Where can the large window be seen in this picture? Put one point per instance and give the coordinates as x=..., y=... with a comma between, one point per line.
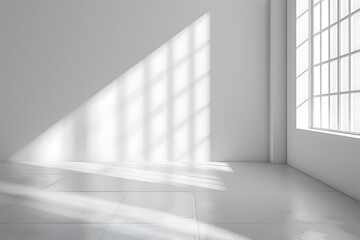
x=335, y=65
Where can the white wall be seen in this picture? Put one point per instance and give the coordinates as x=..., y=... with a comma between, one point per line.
x=278, y=81
x=55, y=55
x=330, y=158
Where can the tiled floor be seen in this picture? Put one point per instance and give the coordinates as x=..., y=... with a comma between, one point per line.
x=170, y=201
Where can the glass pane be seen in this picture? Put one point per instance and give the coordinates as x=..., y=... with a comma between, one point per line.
x=355, y=32
x=316, y=80
x=325, y=78
x=344, y=37
x=344, y=74
x=316, y=19
x=316, y=112
x=302, y=58
x=325, y=112
x=333, y=11
x=344, y=8
x=355, y=4
x=325, y=14
x=355, y=72
x=325, y=46
x=302, y=30
x=316, y=49
x=333, y=76
x=333, y=42
x=301, y=7
x=334, y=112
x=355, y=112
x=344, y=112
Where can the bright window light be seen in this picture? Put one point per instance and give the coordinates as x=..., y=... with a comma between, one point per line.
x=335, y=64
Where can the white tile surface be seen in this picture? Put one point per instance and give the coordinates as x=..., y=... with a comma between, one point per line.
x=91, y=182
x=279, y=232
x=225, y=201
x=65, y=207
x=341, y=203
x=264, y=207
x=12, y=168
x=140, y=186
x=274, y=182
x=151, y=232
x=8, y=201
x=20, y=184
x=51, y=231
x=157, y=207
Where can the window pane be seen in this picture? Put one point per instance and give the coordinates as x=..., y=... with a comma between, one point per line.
x=325, y=14
x=325, y=78
x=301, y=7
x=355, y=4
x=344, y=37
x=302, y=29
x=344, y=112
x=335, y=106
x=325, y=46
x=302, y=59
x=316, y=49
x=344, y=8
x=355, y=72
x=316, y=112
x=333, y=41
x=334, y=112
x=333, y=11
x=344, y=74
x=333, y=76
x=325, y=112
x=316, y=19
x=355, y=32
x=316, y=77
x=355, y=112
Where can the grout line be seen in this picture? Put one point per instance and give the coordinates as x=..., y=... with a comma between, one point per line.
x=353, y=223
x=196, y=215
x=30, y=195
x=112, y=218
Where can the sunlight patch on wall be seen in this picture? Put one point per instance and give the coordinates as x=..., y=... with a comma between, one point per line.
x=302, y=64
x=159, y=110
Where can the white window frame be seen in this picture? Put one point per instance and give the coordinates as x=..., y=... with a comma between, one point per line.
x=337, y=58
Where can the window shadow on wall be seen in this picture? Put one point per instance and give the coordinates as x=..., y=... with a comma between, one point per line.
x=159, y=110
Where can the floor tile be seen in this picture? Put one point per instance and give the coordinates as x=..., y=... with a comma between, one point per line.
x=264, y=207
x=91, y=182
x=273, y=182
x=156, y=207
x=65, y=207
x=262, y=168
x=8, y=201
x=140, y=186
x=23, y=184
x=31, y=168
x=195, y=177
x=279, y=232
x=151, y=232
x=237, y=201
x=341, y=203
x=51, y=231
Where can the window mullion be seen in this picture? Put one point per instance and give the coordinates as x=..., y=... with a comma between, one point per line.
x=329, y=65
x=311, y=59
x=349, y=67
x=338, y=64
x=321, y=64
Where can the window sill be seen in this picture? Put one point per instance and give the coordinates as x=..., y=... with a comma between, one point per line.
x=331, y=133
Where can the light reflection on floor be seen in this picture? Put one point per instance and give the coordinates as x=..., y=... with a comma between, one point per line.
x=170, y=201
